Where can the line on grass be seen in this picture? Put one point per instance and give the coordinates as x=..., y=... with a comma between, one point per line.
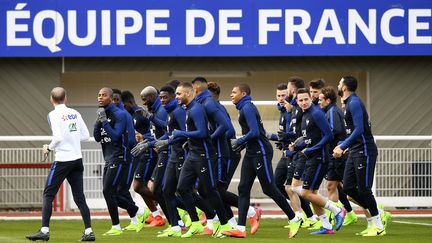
x=10, y=239
x=407, y=222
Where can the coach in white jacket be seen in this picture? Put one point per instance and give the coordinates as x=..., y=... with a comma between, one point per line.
x=68, y=130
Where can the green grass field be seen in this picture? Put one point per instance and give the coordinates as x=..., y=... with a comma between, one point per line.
x=271, y=231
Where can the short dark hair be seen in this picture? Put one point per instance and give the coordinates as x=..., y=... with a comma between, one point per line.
x=169, y=89
x=329, y=93
x=282, y=86
x=214, y=88
x=303, y=91
x=173, y=83
x=199, y=79
x=244, y=88
x=297, y=82
x=116, y=91
x=185, y=85
x=127, y=96
x=317, y=83
x=350, y=82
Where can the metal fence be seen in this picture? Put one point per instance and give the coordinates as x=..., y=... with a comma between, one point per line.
x=403, y=177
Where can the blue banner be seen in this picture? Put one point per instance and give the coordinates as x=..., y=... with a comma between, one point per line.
x=51, y=28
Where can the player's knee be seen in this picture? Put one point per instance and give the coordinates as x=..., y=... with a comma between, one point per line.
x=350, y=191
x=298, y=190
x=332, y=186
x=364, y=192
x=108, y=191
x=269, y=190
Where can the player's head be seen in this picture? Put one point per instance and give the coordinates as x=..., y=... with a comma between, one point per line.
x=315, y=87
x=173, y=83
x=199, y=85
x=347, y=84
x=327, y=97
x=303, y=98
x=105, y=96
x=149, y=95
x=166, y=94
x=128, y=100
x=184, y=93
x=281, y=93
x=214, y=89
x=239, y=91
x=58, y=96
x=116, y=96
x=294, y=83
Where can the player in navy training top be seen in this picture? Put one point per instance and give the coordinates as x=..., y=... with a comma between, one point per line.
x=198, y=163
x=296, y=166
x=158, y=116
x=110, y=131
x=316, y=134
x=146, y=162
x=257, y=162
x=363, y=152
x=124, y=198
x=336, y=167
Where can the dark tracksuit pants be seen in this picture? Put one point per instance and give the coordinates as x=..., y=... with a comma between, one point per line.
x=125, y=200
x=172, y=173
x=358, y=180
x=111, y=179
x=203, y=169
x=261, y=167
x=158, y=179
x=73, y=172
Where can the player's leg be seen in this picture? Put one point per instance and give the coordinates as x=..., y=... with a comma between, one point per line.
x=110, y=186
x=158, y=176
x=54, y=180
x=75, y=179
x=247, y=177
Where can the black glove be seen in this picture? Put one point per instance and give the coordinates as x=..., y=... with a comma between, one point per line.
x=147, y=114
x=101, y=115
x=298, y=141
x=235, y=147
x=139, y=148
x=269, y=135
x=279, y=145
x=161, y=145
x=282, y=136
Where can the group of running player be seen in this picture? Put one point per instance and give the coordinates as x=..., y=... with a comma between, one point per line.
x=180, y=151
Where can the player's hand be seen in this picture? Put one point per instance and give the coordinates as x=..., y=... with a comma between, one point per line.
x=291, y=147
x=282, y=136
x=147, y=114
x=140, y=148
x=101, y=115
x=279, y=145
x=337, y=152
x=138, y=136
x=235, y=146
x=161, y=145
x=269, y=135
x=298, y=141
x=288, y=106
x=303, y=153
x=45, y=149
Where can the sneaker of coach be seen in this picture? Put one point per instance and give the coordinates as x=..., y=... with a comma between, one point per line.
x=88, y=237
x=39, y=236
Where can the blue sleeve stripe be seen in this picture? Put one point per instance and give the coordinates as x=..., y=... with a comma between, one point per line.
x=331, y=119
